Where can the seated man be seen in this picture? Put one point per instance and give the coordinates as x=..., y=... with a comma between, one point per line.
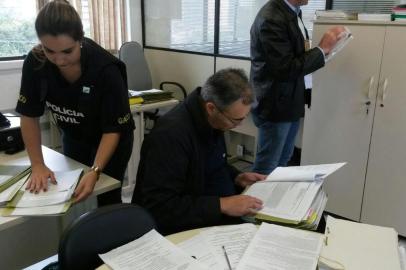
x=183, y=177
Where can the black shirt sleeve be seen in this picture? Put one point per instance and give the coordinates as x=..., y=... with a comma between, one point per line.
x=115, y=113
x=30, y=102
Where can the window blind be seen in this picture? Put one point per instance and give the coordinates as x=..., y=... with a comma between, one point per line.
x=370, y=6
x=180, y=24
x=237, y=16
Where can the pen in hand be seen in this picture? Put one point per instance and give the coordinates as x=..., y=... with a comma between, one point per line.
x=227, y=259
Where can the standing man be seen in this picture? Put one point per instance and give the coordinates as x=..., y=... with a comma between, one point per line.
x=280, y=58
x=183, y=178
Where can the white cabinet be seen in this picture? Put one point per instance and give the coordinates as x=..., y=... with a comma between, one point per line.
x=341, y=126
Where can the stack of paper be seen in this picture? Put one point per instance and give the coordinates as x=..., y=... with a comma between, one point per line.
x=148, y=96
x=336, y=14
x=56, y=200
x=293, y=195
x=246, y=247
x=151, y=251
x=210, y=246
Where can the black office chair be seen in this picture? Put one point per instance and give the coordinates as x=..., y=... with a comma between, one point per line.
x=99, y=231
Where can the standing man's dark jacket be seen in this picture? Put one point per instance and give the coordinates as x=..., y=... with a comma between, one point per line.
x=172, y=180
x=279, y=63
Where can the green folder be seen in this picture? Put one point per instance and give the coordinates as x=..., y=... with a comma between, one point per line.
x=11, y=174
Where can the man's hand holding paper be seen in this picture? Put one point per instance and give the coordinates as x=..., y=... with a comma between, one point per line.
x=332, y=37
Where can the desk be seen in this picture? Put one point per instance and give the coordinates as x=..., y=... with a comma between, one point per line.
x=138, y=115
x=25, y=240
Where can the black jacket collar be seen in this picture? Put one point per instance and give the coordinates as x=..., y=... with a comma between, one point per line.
x=194, y=105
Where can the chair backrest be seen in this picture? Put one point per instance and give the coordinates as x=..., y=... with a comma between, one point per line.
x=99, y=231
x=138, y=74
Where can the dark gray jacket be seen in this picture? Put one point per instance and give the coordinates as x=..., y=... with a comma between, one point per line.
x=279, y=63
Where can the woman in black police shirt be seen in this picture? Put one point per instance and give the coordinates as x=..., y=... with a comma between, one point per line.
x=85, y=89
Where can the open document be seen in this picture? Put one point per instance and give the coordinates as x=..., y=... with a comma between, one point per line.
x=303, y=173
x=151, y=251
x=209, y=246
x=56, y=194
x=276, y=248
x=352, y=246
x=293, y=195
x=56, y=200
x=286, y=202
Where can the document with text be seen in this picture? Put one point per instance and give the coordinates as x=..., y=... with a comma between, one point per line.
x=207, y=246
x=278, y=248
x=288, y=201
x=150, y=251
x=306, y=173
x=56, y=194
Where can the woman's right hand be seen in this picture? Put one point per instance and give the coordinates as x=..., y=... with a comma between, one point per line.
x=39, y=178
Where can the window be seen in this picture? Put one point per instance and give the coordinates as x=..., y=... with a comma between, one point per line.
x=308, y=13
x=17, y=31
x=236, y=17
x=180, y=24
x=189, y=25
x=371, y=6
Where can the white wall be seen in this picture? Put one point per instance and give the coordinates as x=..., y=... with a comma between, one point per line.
x=10, y=76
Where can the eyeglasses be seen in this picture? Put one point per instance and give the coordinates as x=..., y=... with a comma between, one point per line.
x=233, y=121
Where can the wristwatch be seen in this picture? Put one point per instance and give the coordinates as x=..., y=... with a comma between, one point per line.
x=96, y=169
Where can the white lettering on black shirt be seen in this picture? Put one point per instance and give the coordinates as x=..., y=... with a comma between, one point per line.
x=65, y=115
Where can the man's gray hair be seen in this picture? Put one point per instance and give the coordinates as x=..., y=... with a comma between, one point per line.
x=227, y=86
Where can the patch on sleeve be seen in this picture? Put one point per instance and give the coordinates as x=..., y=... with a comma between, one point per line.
x=125, y=119
x=22, y=99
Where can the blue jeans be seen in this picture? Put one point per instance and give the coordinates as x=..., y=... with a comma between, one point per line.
x=276, y=141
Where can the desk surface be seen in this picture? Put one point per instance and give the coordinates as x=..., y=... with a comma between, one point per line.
x=57, y=162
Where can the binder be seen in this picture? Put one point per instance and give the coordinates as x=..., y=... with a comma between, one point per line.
x=353, y=246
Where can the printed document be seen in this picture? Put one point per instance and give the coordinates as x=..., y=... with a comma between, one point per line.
x=285, y=200
x=151, y=251
x=303, y=173
x=197, y=247
x=277, y=248
x=56, y=194
x=207, y=246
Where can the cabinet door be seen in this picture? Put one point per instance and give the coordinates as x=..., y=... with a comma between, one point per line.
x=385, y=189
x=338, y=127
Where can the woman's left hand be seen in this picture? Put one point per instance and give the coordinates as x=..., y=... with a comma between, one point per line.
x=86, y=186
